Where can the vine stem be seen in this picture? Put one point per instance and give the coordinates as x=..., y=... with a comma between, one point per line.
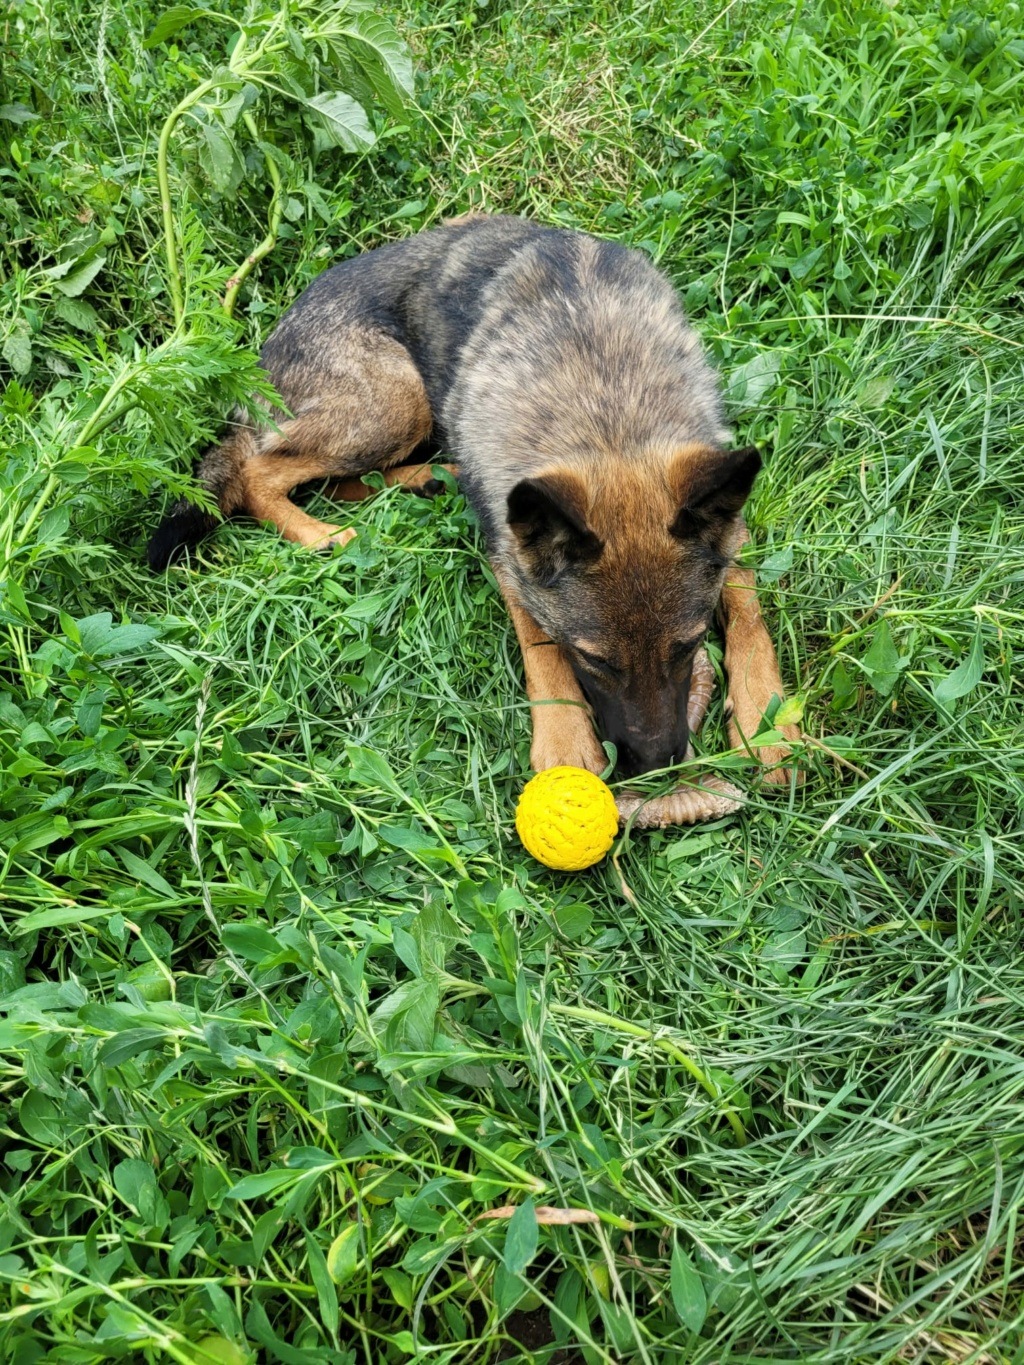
x=163, y=178
x=268, y=243
x=164, y=185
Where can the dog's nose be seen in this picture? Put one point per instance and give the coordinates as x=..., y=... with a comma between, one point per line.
x=634, y=759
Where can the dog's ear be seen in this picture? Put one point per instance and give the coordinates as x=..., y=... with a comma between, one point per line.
x=713, y=489
x=548, y=517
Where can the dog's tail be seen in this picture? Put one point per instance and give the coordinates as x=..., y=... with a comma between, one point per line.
x=219, y=471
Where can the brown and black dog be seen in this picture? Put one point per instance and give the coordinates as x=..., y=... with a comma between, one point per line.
x=587, y=432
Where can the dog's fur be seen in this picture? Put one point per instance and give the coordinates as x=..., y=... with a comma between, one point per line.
x=560, y=373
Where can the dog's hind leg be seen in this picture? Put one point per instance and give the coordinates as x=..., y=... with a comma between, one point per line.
x=370, y=415
x=562, y=730
x=753, y=670
x=418, y=478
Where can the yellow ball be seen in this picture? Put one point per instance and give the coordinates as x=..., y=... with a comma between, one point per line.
x=566, y=817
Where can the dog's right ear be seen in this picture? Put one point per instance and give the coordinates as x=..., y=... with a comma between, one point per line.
x=547, y=516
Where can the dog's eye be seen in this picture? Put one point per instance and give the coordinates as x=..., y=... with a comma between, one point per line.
x=597, y=664
x=683, y=649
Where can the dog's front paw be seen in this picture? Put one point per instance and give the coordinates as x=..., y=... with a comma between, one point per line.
x=568, y=743
x=743, y=721
x=709, y=798
x=779, y=768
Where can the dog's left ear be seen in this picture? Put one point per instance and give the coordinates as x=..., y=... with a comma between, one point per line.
x=713, y=489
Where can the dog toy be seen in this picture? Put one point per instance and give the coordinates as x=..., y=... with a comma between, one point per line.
x=567, y=818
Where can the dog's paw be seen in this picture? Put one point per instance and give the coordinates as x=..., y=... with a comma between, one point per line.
x=707, y=799
x=775, y=759
x=779, y=769
x=341, y=537
x=571, y=745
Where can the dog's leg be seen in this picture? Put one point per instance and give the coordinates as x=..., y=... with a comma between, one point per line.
x=418, y=478
x=562, y=733
x=753, y=670
x=370, y=413
x=268, y=480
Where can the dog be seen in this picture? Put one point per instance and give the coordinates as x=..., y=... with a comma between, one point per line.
x=587, y=432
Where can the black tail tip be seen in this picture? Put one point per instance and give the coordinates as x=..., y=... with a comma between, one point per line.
x=179, y=532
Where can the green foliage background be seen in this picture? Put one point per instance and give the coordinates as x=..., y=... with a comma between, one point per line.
x=285, y=1009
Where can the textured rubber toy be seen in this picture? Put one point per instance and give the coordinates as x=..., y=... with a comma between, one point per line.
x=567, y=818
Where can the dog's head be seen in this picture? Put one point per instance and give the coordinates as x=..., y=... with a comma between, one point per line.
x=623, y=568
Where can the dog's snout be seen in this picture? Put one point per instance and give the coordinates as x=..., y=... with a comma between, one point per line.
x=644, y=754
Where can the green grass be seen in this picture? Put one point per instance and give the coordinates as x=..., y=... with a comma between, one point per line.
x=285, y=1006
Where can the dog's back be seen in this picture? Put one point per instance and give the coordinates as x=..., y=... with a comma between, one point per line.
x=514, y=344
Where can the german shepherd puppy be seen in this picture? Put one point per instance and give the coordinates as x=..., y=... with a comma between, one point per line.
x=587, y=432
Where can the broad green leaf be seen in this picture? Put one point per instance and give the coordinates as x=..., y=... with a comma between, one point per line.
x=407, y=1017
x=400, y=1284
x=137, y=867
x=791, y=712
x=751, y=381
x=407, y=950
x=101, y=639
x=691, y=847
x=620, y=1327
x=687, y=1290
x=966, y=676
x=370, y=770
x=326, y=1293
x=41, y=1119
x=12, y=972
x=17, y=113
x=220, y=158
x=50, y=916
x=508, y=1289
x=802, y=266
x=78, y=313
x=218, y=1350
x=435, y=932
x=775, y=565
x=11, y=595
x=412, y=841
x=574, y=921
x=877, y=391
x=343, y=120
x=882, y=662
x=54, y=525
x=250, y=941
x=383, y=58
x=170, y=22
x=135, y=1182
x=130, y=1043
x=343, y=1255
x=785, y=948
x=266, y=1182
x=17, y=351
x=521, y=1239
x=79, y=280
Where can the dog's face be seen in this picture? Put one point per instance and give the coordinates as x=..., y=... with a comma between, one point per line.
x=624, y=572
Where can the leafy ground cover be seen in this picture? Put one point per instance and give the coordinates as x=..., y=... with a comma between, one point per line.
x=286, y=1012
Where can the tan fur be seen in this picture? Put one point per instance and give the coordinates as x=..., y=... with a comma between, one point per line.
x=753, y=671
x=378, y=414
x=562, y=735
